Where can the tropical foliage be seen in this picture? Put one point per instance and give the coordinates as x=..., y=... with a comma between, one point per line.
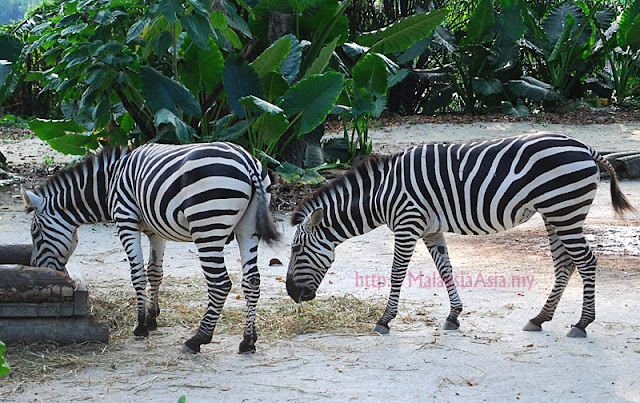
x=182, y=71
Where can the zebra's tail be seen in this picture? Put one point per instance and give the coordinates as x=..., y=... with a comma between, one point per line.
x=618, y=199
x=265, y=227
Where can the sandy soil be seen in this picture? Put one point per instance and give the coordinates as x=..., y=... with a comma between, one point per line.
x=489, y=358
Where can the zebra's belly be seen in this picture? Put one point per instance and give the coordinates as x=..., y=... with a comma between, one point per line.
x=491, y=226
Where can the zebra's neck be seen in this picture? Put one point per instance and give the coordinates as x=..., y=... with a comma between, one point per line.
x=352, y=203
x=81, y=192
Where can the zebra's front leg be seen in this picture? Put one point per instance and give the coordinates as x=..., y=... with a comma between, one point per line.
x=405, y=243
x=250, y=286
x=563, y=269
x=219, y=285
x=154, y=276
x=130, y=237
x=438, y=249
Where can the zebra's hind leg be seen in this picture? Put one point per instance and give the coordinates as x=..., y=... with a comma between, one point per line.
x=218, y=284
x=154, y=275
x=438, y=249
x=585, y=261
x=250, y=286
x=563, y=269
x=130, y=237
x=405, y=243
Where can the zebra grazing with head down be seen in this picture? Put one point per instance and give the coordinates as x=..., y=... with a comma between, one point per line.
x=201, y=192
x=469, y=189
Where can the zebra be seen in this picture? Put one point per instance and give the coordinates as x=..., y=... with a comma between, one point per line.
x=470, y=189
x=205, y=193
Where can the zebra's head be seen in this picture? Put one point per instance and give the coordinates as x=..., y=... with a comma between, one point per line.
x=54, y=238
x=311, y=256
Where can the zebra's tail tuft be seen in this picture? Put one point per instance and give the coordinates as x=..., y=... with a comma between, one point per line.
x=620, y=202
x=265, y=227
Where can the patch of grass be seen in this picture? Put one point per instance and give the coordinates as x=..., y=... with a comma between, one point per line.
x=14, y=121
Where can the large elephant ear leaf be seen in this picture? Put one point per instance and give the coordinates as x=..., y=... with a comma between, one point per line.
x=240, y=80
x=629, y=28
x=311, y=100
x=10, y=48
x=402, y=34
x=162, y=92
x=480, y=23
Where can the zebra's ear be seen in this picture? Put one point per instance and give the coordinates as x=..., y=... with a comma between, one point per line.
x=31, y=200
x=316, y=217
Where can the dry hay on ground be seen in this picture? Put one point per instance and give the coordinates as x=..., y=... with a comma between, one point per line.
x=282, y=319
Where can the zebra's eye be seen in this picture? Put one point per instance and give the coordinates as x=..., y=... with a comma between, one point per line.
x=296, y=248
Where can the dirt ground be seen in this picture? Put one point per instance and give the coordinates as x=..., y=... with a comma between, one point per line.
x=489, y=358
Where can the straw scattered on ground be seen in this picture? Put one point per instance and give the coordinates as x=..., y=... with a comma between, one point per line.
x=183, y=302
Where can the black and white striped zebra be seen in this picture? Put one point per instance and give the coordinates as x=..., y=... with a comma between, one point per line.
x=202, y=193
x=470, y=189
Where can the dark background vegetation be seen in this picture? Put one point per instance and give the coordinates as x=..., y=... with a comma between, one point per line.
x=266, y=74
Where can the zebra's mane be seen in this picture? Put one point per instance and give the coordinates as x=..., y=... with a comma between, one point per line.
x=351, y=176
x=104, y=154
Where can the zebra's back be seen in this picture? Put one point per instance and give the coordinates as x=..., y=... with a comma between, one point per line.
x=488, y=187
x=179, y=190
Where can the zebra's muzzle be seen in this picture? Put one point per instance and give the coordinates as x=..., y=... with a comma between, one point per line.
x=299, y=293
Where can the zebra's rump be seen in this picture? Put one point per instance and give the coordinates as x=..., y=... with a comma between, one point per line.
x=181, y=191
x=488, y=187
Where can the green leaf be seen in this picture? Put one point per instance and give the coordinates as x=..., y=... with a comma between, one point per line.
x=272, y=127
x=274, y=86
x=371, y=73
x=312, y=98
x=555, y=24
x=169, y=9
x=260, y=105
x=74, y=29
x=629, y=27
x=162, y=42
x=480, y=23
x=74, y=144
x=4, y=367
x=51, y=129
x=272, y=57
x=530, y=88
x=201, y=7
x=234, y=132
x=302, y=5
x=404, y=33
x=198, y=28
x=233, y=38
x=10, y=48
x=291, y=173
x=291, y=65
x=218, y=20
x=562, y=45
x=240, y=80
x=323, y=59
x=137, y=29
x=493, y=86
x=182, y=131
x=519, y=110
x=509, y=20
x=162, y=92
x=203, y=68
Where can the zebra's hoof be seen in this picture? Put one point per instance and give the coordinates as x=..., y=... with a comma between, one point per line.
x=382, y=329
x=152, y=324
x=187, y=350
x=532, y=327
x=141, y=331
x=448, y=325
x=246, y=348
x=576, y=332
